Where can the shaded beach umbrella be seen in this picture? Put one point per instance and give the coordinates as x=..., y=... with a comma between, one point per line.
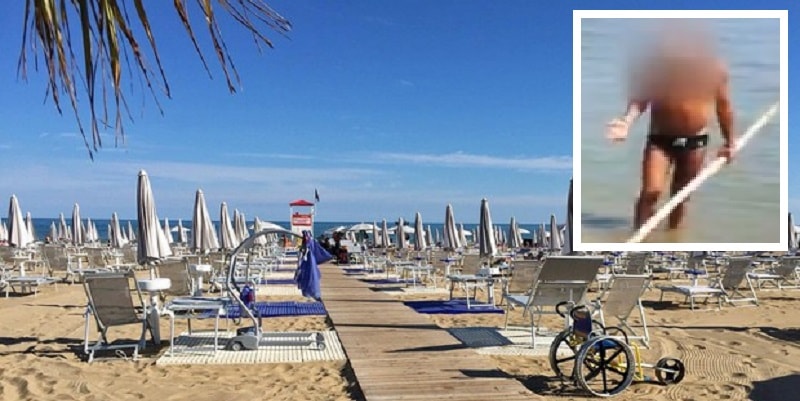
x=567, y=248
x=77, y=231
x=152, y=244
x=29, y=226
x=204, y=237
x=419, y=233
x=400, y=233
x=384, y=235
x=18, y=235
x=168, y=231
x=486, y=246
x=308, y=274
x=117, y=239
x=53, y=233
x=555, y=237
x=514, y=238
x=227, y=237
x=181, y=232
x=452, y=239
x=429, y=237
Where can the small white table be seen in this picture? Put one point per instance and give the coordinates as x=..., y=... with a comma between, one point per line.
x=152, y=287
x=197, y=271
x=474, y=279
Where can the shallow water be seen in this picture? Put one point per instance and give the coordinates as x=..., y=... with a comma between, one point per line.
x=740, y=204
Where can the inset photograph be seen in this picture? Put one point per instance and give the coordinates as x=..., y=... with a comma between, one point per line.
x=680, y=130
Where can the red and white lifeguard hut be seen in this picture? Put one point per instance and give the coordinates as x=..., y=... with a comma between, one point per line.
x=303, y=219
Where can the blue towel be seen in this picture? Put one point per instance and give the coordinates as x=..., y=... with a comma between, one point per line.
x=451, y=307
x=278, y=281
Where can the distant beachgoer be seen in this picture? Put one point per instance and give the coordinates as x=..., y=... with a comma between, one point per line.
x=682, y=83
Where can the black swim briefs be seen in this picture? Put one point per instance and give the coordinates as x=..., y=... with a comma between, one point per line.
x=676, y=144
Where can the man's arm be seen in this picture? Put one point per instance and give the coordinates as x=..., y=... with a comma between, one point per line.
x=636, y=107
x=724, y=108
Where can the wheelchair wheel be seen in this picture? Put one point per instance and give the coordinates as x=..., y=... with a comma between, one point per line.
x=564, y=364
x=670, y=370
x=604, y=366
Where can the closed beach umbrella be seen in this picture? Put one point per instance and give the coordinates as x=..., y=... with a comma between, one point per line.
x=235, y=224
x=793, y=243
x=401, y=234
x=17, y=230
x=374, y=234
x=131, y=234
x=167, y=231
x=29, y=226
x=429, y=237
x=514, y=239
x=542, y=236
x=452, y=240
x=77, y=232
x=3, y=232
x=555, y=236
x=308, y=274
x=567, y=249
x=419, y=233
x=89, y=234
x=486, y=246
x=181, y=232
x=117, y=240
x=241, y=228
x=152, y=244
x=462, y=235
x=204, y=237
x=53, y=234
x=438, y=237
x=384, y=235
x=227, y=237
x=257, y=226
x=63, y=231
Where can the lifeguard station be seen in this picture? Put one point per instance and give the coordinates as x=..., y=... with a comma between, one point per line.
x=302, y=219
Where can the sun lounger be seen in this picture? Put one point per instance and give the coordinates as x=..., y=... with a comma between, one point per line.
x=785, y=275
x=725, y=288
x=114, y=300
x=561, y=279
x=620, y=300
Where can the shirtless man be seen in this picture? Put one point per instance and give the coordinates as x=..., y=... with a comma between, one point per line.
x=683, y=85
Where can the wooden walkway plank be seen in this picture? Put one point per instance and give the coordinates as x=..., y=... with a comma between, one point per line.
x=398, y=354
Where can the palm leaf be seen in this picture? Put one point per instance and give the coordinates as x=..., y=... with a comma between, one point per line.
x=113, y=53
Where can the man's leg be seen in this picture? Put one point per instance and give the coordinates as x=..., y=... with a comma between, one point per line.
x=655, y=166
x=687, y=165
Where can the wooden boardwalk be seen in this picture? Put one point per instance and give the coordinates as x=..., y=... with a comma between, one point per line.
x=398, y=354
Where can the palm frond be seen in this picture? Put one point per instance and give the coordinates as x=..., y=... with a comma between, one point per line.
x=111, y=50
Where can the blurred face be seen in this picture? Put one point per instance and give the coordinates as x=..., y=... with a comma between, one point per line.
x=683, y=41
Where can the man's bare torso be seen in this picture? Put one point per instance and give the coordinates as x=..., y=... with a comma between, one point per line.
x=681, y=94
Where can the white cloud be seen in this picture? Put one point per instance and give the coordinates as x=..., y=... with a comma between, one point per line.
x=460, y=159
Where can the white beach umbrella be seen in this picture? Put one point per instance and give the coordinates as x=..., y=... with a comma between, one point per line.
x=419, y=233
x=244, y=233
x=152, y=244
x=204, y=237
x=3, y=231
x=235, y=224
x=542, y=236
x=29, y=226
x=400, y=233
x=227, y=237
x=374, y=234
x=793, y=243
x=18, y=235
x=438, y=236
x=131, y=234
x=168, y=231
x=89, y=233
x=429, y=237
x=261, y=239
x=514, y=238
x=452, y=240
x=555, y=237
x=53, y=234
x=181, y=232
x=384, y=235
x=486, y=246
x=77, y=231
x=462, y=235
x=115, y=234
x=361, y=227
x=63, y=231
x=568, y=248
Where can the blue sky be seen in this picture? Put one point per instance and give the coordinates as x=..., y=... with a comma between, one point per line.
x=387, y=107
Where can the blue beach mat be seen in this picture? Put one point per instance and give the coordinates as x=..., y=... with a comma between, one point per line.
x=278, y=309
x=278, y=281
x=451, y=307
x=381, y=281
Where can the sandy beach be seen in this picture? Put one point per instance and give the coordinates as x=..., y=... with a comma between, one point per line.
x=736, y=353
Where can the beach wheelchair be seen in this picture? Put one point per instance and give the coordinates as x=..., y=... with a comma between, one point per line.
x=600, y=360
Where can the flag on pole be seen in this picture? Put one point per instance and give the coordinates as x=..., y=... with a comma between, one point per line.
x=316, y=195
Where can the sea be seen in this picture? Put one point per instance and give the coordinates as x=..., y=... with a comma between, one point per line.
x=741, y=203
x=41, y=226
